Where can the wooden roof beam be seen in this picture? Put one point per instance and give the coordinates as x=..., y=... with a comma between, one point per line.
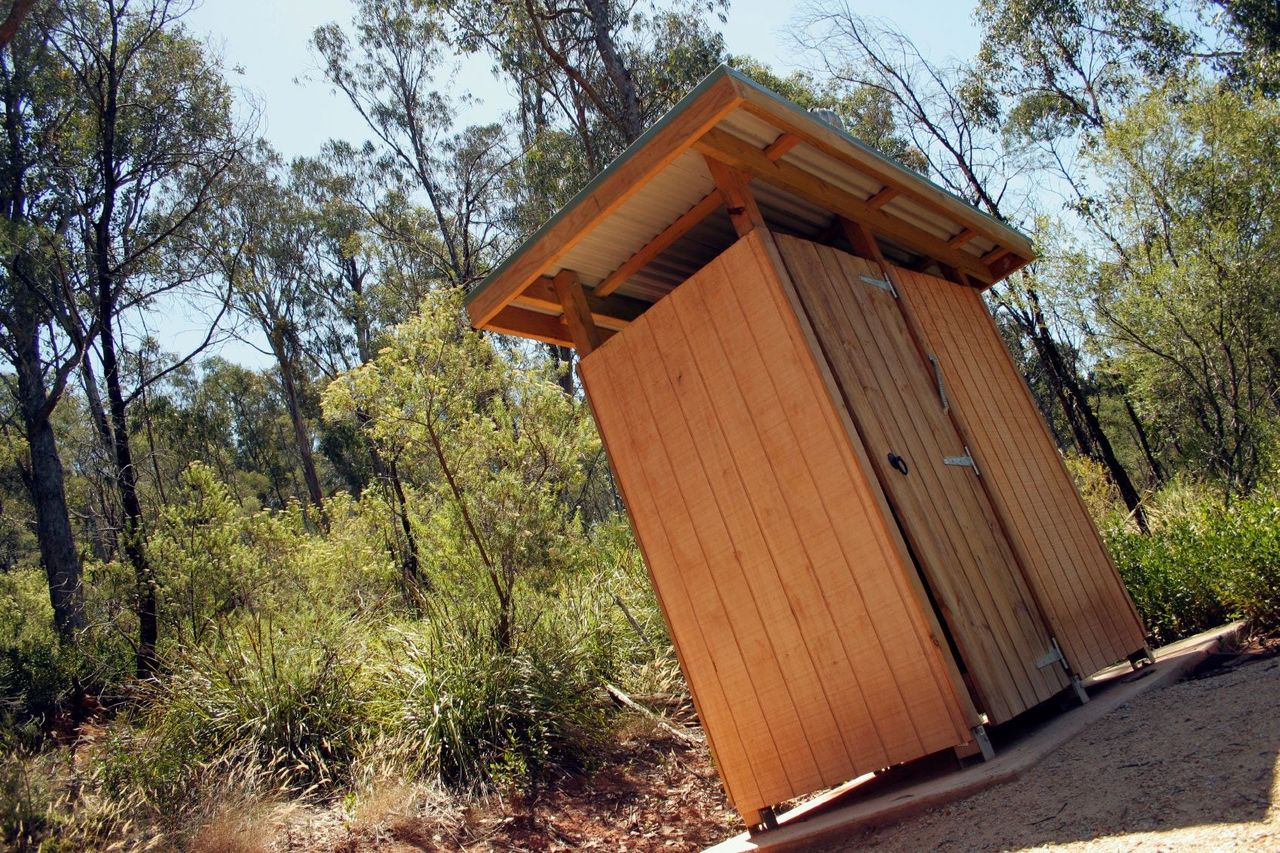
x=886, y=195
x=684, y=224
x=830, y=142
x=524, y=323
x=673, y=232
x=963, y=237
x=778, y=148
x=608, y=312
x=995, y=254
x=744, y=156
x=744, y=213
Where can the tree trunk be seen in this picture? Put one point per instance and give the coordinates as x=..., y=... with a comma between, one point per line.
x=48, y=490
x=1049, y=351
x=301, y=437
x=133, y=532
x=409, y=562
x=563, y=357
x=1157, y=472
x=632, y=123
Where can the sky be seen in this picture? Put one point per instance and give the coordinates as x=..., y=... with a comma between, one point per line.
x=265, y=47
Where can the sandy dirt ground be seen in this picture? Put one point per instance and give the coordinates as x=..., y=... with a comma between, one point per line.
x=1193, y=767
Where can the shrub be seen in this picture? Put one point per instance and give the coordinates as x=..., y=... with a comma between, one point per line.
x=471, y=715
x=285, y=701
x=1202, y=564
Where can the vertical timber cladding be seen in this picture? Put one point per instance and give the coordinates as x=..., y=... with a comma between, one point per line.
x=1091, y=612
x=799, y=627
x=944, y=514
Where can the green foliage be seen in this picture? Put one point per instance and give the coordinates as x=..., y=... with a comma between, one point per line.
x=36, y=669
x=460, y=710
x=285, y=699
x=1188, y=305
x=495, y=448
x=1202, y=564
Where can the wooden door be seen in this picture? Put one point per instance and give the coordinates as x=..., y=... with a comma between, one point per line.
x=1088, y=607
x=799, y=623
x=944, y=514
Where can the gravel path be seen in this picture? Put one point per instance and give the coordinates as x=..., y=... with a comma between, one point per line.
x=1192, y=767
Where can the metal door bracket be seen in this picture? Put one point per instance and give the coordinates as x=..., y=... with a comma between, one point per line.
x=1054, y=655
x=882, y=283
x=965, y=461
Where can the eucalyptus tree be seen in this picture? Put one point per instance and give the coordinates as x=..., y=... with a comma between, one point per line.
x=391, y=70
x=42, y=334
x=161, y=139
x=1190, y=307
x=273, y=269
x=951, y=115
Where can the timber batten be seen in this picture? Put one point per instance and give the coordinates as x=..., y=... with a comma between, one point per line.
x=858, y=527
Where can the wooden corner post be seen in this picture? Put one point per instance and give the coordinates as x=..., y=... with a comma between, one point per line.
x=743, y=210
x=577, y=314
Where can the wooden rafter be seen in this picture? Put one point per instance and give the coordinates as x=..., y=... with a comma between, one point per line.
x=883, y=197
x=963, y=237
x=776, y=149
x=665, y=145
x=830, y=142
x=731, y=150
x=683, y=225
x=659, y=244
x=995, y=254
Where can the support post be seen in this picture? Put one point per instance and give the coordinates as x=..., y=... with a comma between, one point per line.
x=577, y=314
x=744, y=213
x=761, y=820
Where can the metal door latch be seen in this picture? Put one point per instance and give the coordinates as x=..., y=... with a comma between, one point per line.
x=937, y=376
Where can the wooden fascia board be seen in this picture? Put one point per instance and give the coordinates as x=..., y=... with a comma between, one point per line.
x=611, y=312
x=774, y=111
x=743, y=155
x=647, y=156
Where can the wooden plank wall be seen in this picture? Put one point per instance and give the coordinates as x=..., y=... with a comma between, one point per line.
x=1091, y=612
x=944, y=514
x=808, y=652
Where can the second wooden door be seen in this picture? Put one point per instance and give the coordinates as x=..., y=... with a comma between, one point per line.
x=919, y=459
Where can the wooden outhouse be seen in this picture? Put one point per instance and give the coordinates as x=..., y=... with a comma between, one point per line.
x=857, y=524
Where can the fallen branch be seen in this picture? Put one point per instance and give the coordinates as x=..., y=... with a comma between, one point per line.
x=682, y=735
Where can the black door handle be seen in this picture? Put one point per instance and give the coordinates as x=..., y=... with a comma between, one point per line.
x=898, y=463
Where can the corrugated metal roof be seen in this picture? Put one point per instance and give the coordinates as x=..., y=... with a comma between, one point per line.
x=663, y=175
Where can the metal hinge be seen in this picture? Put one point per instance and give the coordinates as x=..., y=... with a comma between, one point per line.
x=937, y=376
x=1054, y=655
x=965, y=461
x=882, y=283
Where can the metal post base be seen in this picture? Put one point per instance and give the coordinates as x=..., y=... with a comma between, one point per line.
x=768, y=821
x=1077, y=686
x=1142, y=657
x=983, y=742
